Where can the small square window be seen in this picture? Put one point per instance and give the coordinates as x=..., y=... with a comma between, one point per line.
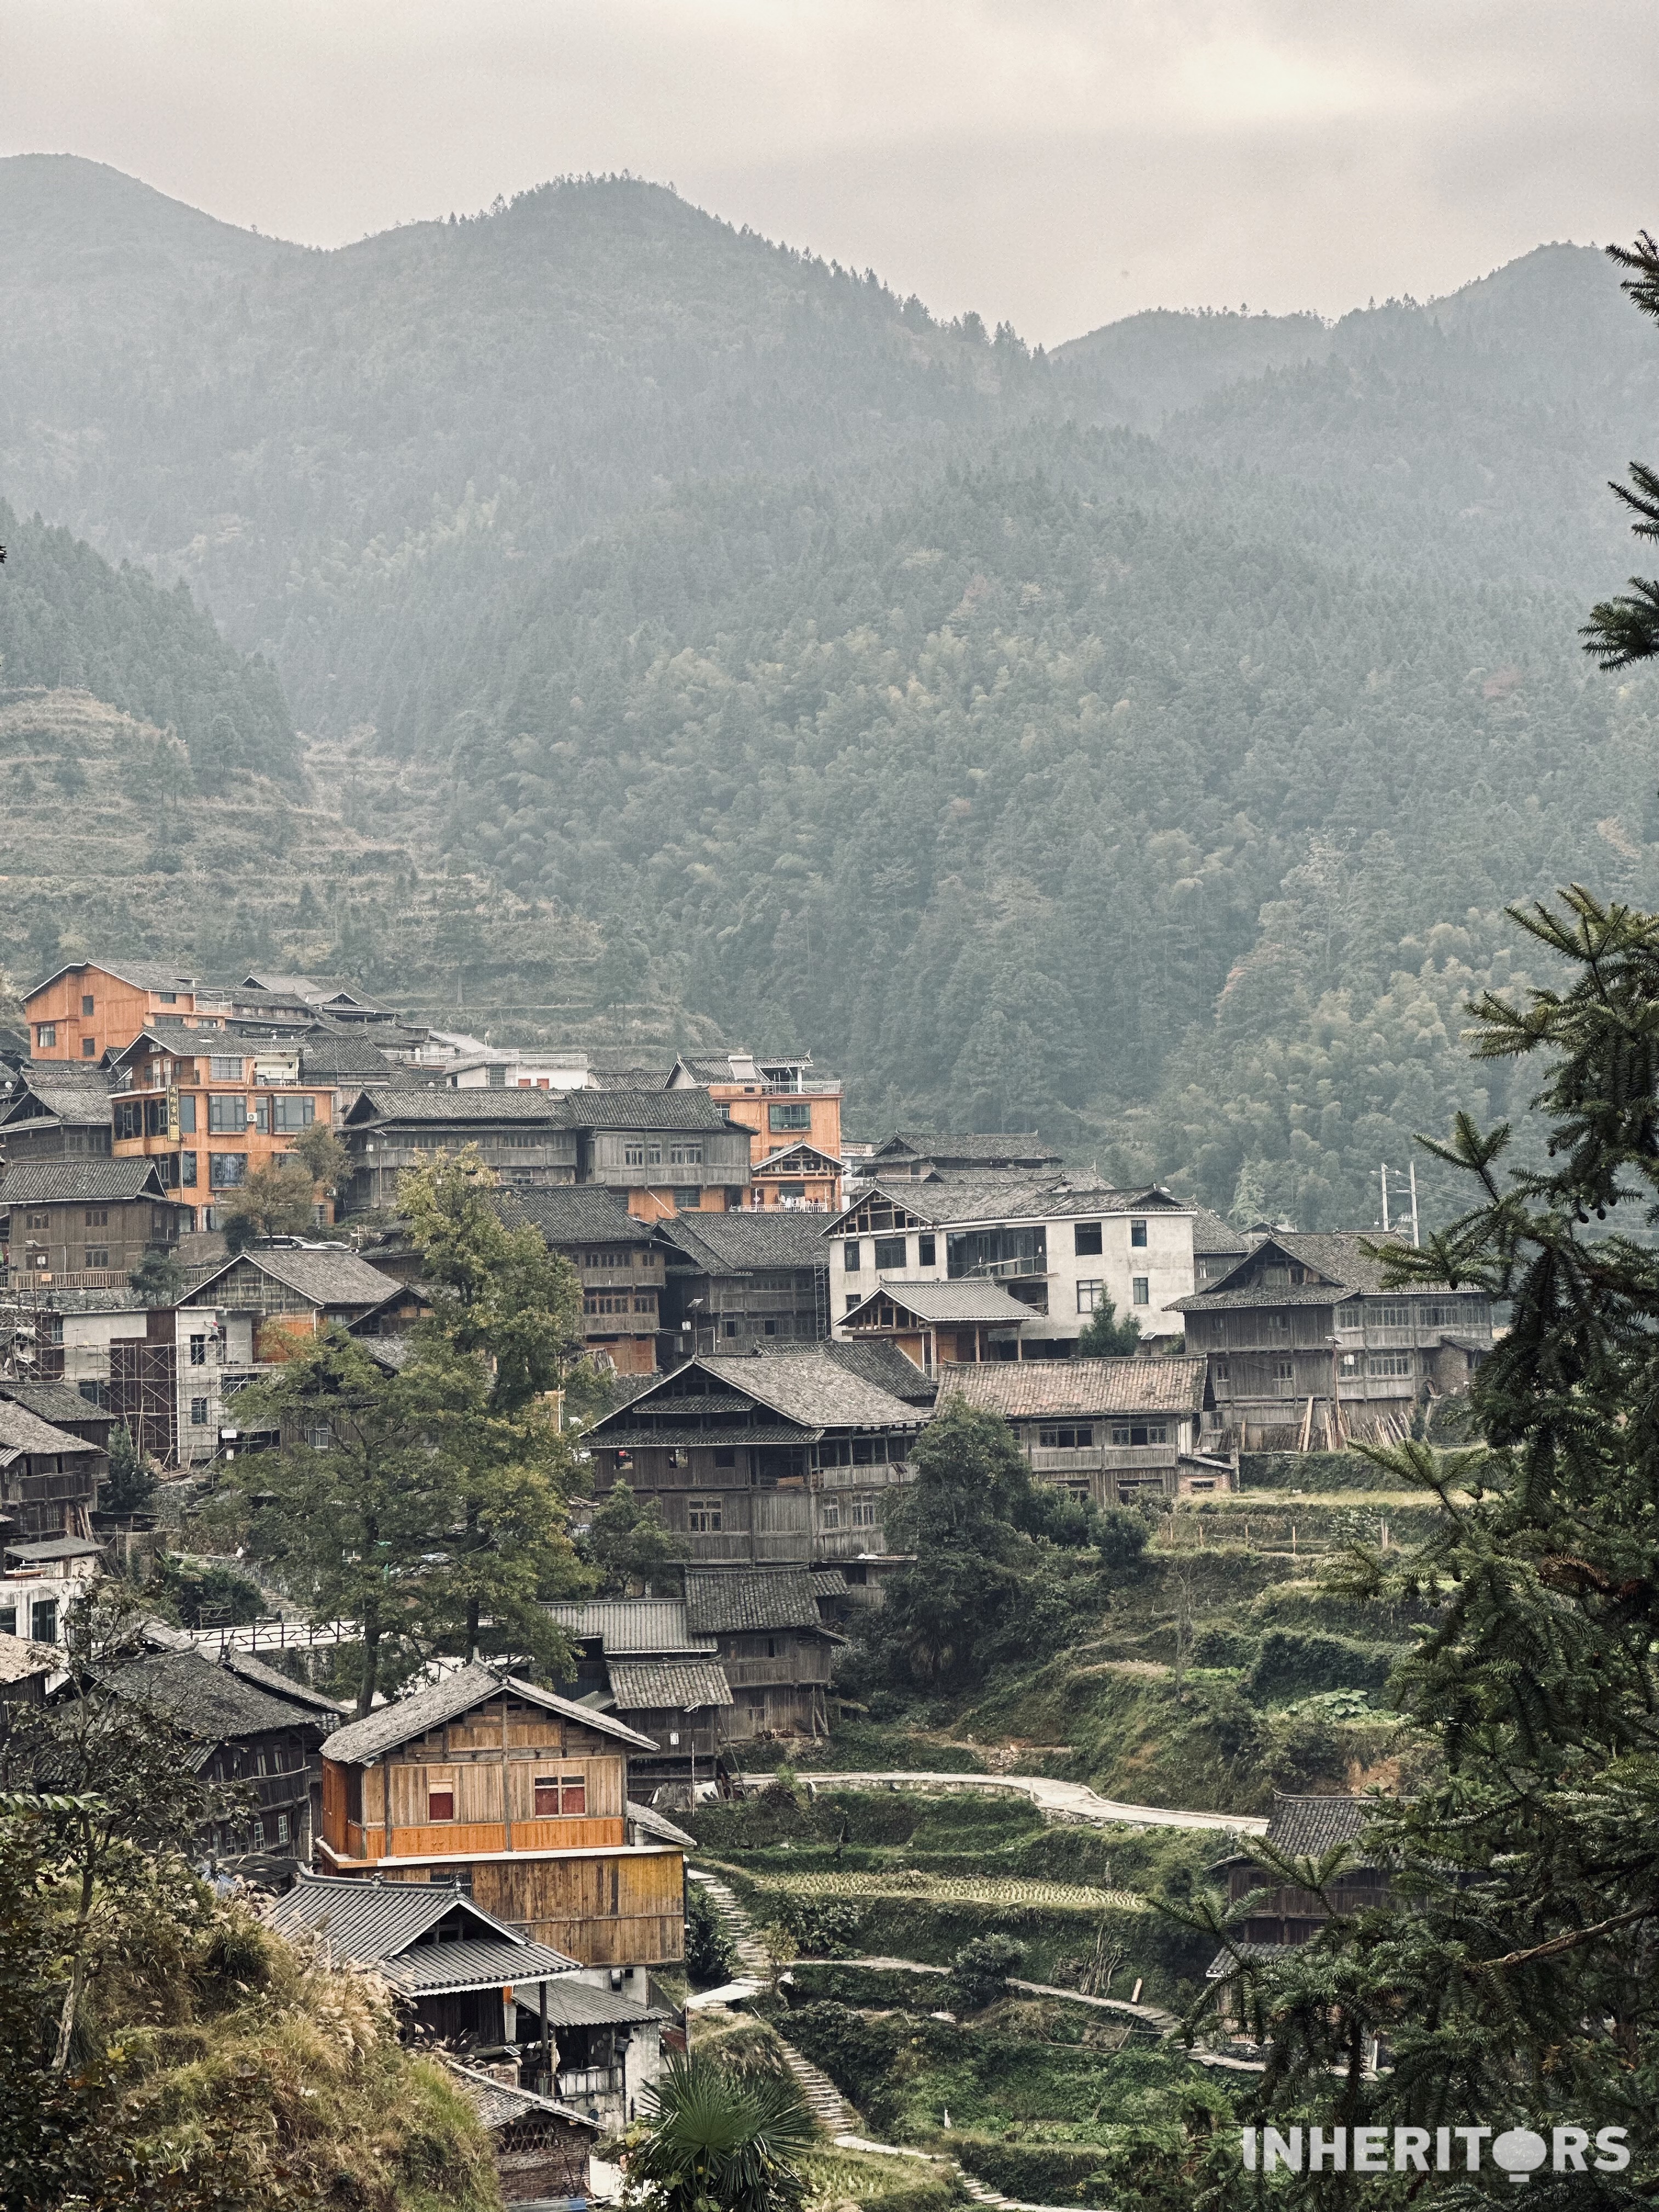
x=730, y=1328
x=1088, y=1294
x=926, y=1248
x=1086, y=1240
x=1142, y=1290
x=855, y=1298
x=1138, y=1234
x=441, y=1804
x=830, y=1516
x=89, y=1048
x=85, y=1005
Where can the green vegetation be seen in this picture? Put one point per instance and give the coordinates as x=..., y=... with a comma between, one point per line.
x=756, y=678
x=716, y=2134
x=429, y=1505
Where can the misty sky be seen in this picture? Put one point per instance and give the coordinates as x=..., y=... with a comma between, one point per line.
x=1055, y=162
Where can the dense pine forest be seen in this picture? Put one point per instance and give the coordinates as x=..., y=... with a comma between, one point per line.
x=1142, y=739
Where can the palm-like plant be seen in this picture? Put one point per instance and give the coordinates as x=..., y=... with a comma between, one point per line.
x=721, y=2139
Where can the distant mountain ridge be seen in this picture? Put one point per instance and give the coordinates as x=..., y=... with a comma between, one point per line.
x=1143, y=739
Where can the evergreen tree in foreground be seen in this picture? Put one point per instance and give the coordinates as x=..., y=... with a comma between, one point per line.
x=1627, y=628
x=1511, y=1980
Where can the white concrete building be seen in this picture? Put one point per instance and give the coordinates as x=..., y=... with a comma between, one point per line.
x=1061, y=1251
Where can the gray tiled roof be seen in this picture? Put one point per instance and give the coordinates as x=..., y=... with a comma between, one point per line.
x=431, y=1970
x=142, y=974
x=721, y=1599
x=385, y=1104
x=754, y=1238
x=80, y=1182
x=828, y=1582
x=1337, y=1255
x=52, y=1402
x=641, y=1110
x=1072, y=1389
x=879, y=1361
x=326, y=1276
x=39, y=1550
x=412, y=1716
x=20, y=1660
x=328, y=1711
x=496, y=2104
x=208, y=1702
x=575, y=1214
x=64, y=1089
x=969, y=1299
x=807, y=1386
x=654, y=1823
x=365, y=1921
x=970, y=1199
x=994, y=1148
x=629, y=1627
x=1213, y=1236
x=332, y=1056
x=22, y=1431
x=639, y=1685
x=1307, y=1827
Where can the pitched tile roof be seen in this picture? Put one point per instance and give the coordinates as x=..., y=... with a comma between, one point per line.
x=22, y=1431
x=80, y=1182
x=1213, y=1236
x=1307, y=1827
x=20, y=1660
x=575, y=1214
x=498, y=2105
x=878, y=1360
x=52, y=1402
x=333, y=1056
x=1040, y=1389
x=393, y=1104
x=364, y=1921
x=629, y=1627
x=64, y=1089
x=976, y=1198
x=142, y=974
x=1011, y=1148
x=968, y=1299
x=721, y=1599
x=639, y=1684
x=208, y=1702
x=755, y=1237
x=446, y=1700
x=641, y=1110
x=1338, y=1255
x=329, y=1711
x=806, y=1386
x=657, y=1823
x=326, y=1275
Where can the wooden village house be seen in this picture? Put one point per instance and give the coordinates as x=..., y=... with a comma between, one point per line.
x=519, y=1795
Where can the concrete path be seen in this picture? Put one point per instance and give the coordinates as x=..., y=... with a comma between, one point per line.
x=1064, y=1800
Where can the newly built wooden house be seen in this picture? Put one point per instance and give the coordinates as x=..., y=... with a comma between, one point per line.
x=521, y=1796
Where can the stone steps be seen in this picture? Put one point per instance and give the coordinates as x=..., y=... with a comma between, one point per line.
x=824, y=2100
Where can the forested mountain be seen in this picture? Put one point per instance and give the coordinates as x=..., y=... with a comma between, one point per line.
x=1143, y=739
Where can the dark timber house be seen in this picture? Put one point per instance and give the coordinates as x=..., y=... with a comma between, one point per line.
x=780, y=1459
x=263, y=1736
x=619, y=1259
x=1306, y=1347
x=523, y=1134
x=85, y=1223
x=737, y=1280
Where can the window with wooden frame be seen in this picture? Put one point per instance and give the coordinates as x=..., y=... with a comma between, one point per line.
x=560, y=1796
x=440, y=1800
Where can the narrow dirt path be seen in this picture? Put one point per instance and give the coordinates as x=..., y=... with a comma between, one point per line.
x=1067, y=1801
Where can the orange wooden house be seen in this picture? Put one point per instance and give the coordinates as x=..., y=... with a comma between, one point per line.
x=793, y=1115
x=522, y=1797
x=86, y=1009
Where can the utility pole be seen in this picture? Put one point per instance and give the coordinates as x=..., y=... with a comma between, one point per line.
x=1384, y=1172
x=1417, y=1242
